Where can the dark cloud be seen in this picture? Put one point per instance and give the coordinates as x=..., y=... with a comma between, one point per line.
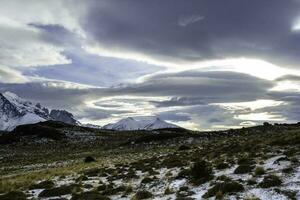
x=57, y=34
x=200, y=87
x=173, y=116
x=179, y=101
x=210, y=116
x=260, y=29
x=54, y=97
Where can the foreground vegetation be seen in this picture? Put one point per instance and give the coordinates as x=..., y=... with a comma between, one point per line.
x=252, y=163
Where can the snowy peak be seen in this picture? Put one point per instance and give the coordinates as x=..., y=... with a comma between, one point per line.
x=24, y=106
x=15, y=111
x=159, y=124
x=139, y=123
x=124, y=124
x=7, y=109
x=63, y=116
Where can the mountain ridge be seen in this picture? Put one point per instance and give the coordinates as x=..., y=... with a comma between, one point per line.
x=15, y=111
x=139, y=123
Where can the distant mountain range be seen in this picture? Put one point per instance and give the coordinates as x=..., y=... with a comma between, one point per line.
x=15, y=111
x=139, y=123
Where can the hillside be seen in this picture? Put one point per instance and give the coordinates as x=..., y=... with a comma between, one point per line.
x=252, y=163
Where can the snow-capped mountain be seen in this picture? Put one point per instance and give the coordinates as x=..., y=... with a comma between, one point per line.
x=139, y=123
x=15, y=111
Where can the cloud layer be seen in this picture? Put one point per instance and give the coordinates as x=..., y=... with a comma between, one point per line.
x=201, y=64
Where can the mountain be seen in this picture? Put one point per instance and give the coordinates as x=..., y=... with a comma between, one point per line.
x=63, y=116
x=15, y=111
x=91, y=126
x=139, y=123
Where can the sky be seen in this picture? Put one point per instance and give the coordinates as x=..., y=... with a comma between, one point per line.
x=201, y=64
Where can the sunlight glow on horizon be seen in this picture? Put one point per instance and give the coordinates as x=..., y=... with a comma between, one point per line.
x=264, y=116
x=250, y=105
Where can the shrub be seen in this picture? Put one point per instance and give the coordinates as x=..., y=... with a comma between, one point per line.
x=245, y=160
x=142, y=195
x=184, y=188
x=280, y=159
x=222, y=165
x=42, y=185
x=128, y=189
x=219, y=195
x=251, y=181
x=224, y=188
x=294, y=160
x=63, y=190
x=183, y=148
x=89, y=159
x=172, y=162
x=110, y=190
x=89, y=195
x=259, y=171
x=88, y=186
x=290, y=194
x=288, y=170
x=223, y=178
x=184, y=173
x=91, y=172
x=201, y=172
x=243, y=169
x=270, y=181
x=17, y=195
x=168, y=191
x=147, y=180
x=184, y=198
x=82, y=178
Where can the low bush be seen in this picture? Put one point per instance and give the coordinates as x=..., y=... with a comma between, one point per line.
x=142, y=195
x=184, y=148
x=259, y=171
x=58, y=191
x=42, y=185
x=201, y=172
x=89, y=159
x=14, y=195
x=270, y=181
x=243, y=169
x=224, y=188
x=89, y=195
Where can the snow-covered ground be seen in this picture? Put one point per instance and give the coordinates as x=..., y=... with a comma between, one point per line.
x=165, y=178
